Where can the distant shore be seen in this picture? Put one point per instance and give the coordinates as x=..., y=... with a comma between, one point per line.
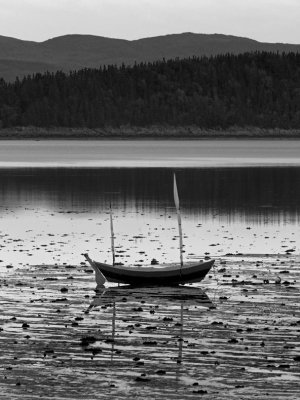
x=152, y=132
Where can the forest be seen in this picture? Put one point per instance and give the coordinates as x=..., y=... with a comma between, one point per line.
x=246, y=90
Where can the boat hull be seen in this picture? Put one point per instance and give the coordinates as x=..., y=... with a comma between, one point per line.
x=164, y=275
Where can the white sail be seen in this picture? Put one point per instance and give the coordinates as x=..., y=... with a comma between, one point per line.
x=176, y=200
x=112, y=234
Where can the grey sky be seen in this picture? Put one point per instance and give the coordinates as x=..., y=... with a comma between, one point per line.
x=263, y=20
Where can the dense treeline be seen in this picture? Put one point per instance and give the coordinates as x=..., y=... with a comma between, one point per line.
x=251, y=89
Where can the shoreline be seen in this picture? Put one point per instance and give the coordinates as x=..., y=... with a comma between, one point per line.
x=149, y=133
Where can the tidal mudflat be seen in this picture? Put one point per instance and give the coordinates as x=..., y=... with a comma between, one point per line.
x=237, y=335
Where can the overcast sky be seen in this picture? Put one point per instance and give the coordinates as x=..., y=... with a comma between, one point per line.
x=263, y=20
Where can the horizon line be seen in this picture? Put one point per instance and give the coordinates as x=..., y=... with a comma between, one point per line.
x=148, y=37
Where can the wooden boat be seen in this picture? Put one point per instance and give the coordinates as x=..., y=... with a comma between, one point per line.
x=161, y=275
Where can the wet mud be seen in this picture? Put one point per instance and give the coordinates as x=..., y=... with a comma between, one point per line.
x=234, y=336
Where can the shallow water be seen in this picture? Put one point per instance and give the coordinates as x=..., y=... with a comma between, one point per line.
x=148, y=153
x=235, y=335
x=53, y=216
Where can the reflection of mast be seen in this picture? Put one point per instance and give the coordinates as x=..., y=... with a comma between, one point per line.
x=181, y=335
x=180, y=347
x=113, y=330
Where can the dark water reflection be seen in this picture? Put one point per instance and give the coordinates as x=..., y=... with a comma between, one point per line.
x=259, y=191
x=54, y=215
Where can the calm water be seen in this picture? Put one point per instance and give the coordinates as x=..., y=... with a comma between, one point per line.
x=147, y=153
x=233, y=336
x=54, y=215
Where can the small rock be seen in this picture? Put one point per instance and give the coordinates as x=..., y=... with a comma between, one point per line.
x=233, y=340
x=200, y=391
x=85, y=341
x=160, y=372
x=142, y=379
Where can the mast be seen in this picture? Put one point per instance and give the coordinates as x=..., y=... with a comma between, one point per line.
x=112, y=234
x=176, y=201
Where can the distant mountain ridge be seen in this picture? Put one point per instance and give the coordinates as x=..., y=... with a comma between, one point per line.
x=73, y=52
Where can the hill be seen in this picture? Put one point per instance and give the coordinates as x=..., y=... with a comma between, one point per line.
x=252, y=89
x=74, y=52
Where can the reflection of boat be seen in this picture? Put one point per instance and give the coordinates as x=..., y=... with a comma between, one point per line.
x=170, y=303
x=162, y=294
x=165, y=274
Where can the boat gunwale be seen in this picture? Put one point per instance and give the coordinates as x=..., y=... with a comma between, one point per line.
x=155, y=272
